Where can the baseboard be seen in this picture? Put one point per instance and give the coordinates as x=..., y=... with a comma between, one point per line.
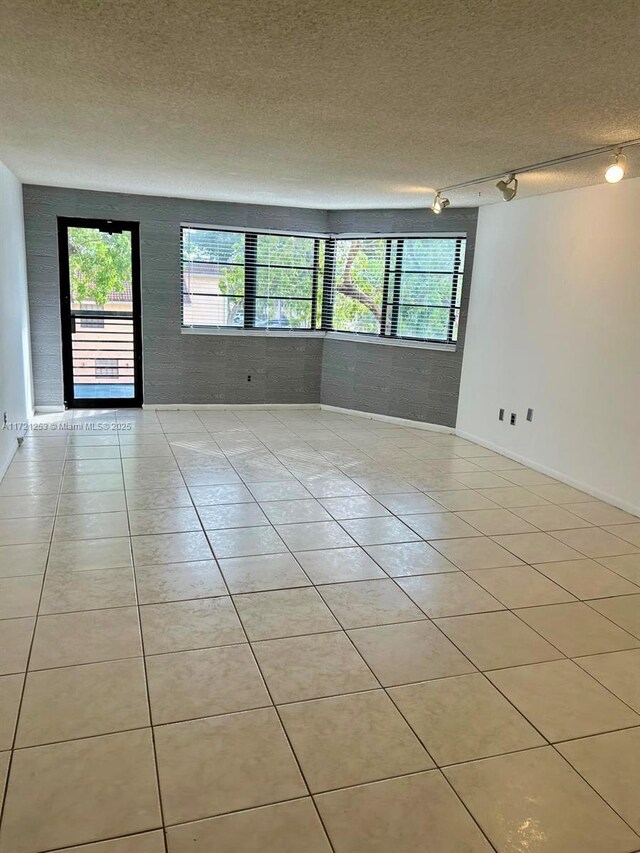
x=551, y=472
x=176, y=407
x=7, y=460
x=406, y=422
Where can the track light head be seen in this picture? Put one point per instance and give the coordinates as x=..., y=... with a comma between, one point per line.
x=439, y=203
x=508, y=188
x=615, y=172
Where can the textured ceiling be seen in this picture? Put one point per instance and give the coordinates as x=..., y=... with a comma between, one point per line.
x=327, y=103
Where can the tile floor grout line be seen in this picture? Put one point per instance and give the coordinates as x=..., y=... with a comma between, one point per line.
x=415, y=734
x=517, y=711
x=598, y=794
x=617, y=730
x=12, y=749
x=608, y=618
x=273, y=705
x=418, y=739
x=549, y=741
x=464, y=805
x=146, y=678
x=342, y=629
x=402, y=715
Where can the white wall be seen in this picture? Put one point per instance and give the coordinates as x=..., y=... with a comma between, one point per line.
x=554, y=323
x=15, y=359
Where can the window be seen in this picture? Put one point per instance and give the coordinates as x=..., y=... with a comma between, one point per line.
x=261, y=281
x=287, y=273
x=391, y=287
x=426, y=276
x=358, y=284
x=213, y=277
x=398, y=287
x=107, y=367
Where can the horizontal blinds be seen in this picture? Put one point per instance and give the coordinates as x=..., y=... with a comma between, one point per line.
x=213, y=277
x=286, y=280
x=427, y=287
x=248, y=280
x=358, y=282
x=398, y=287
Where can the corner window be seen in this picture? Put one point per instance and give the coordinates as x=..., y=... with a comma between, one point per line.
x=390, y=287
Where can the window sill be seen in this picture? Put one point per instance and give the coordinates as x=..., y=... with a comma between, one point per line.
x=310, y=333
x=389, y=342
x=230, y=332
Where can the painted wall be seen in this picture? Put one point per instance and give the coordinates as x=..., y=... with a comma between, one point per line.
x=15, y=361
x=184, y=368
x=554, y=324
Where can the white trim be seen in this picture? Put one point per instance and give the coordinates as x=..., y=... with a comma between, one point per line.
x=228, y=331
x=551, y=472
x=176, y=407
x=4, y=464
x=330, y=235
x=246, y=229
x=406, y=422
x=400, y=235
x=390, y=342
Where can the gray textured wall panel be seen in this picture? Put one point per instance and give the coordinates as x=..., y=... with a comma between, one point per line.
x=177, y=368
x=404, y=382
x=420, y=384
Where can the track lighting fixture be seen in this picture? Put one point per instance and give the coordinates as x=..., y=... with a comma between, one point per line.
x=508, y=188
x=615, y=172
x=439, y=203
x=507, y=185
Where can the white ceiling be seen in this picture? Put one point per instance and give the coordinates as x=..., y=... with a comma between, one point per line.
x=319, y=103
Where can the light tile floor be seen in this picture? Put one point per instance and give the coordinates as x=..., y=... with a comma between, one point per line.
x=294, y=631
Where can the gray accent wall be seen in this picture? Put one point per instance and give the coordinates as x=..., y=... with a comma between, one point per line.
x=198, y=368
x=403, y=382
x=177, y=368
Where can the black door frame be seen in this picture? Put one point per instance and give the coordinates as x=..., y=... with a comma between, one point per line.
x=112, y=226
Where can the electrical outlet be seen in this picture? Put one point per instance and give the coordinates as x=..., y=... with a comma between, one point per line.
x=512, y=419
x=249, y=378
x=501, y=415
x=529, y=415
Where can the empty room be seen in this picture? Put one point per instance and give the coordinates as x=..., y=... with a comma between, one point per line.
x=320, y=426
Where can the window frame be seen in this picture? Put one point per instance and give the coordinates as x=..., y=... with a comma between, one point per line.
x=324, y=284
x=251, y=265
x=391, y=286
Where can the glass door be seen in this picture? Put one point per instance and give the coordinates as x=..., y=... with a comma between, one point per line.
x=100, y=308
